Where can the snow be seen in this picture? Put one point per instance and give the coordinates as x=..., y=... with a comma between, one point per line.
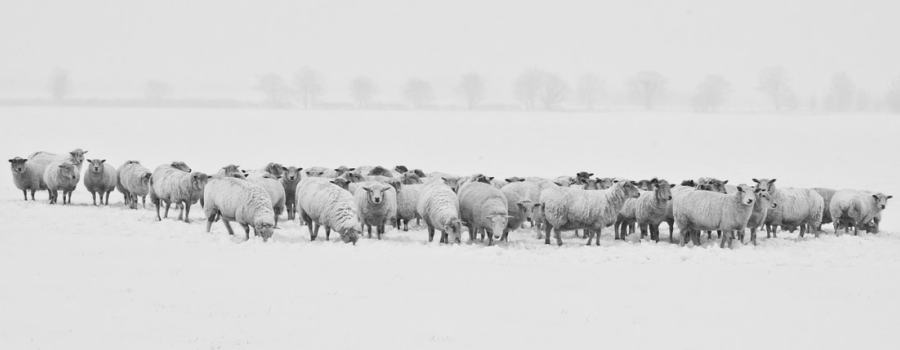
x=86, y=277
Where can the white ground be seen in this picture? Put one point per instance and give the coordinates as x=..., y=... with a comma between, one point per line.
x=86, y=277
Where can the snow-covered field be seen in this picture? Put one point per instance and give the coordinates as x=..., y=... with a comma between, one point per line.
x=87, y=277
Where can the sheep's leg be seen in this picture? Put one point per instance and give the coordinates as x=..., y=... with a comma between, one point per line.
x=430, y=233
x=276, y=220
x=547, y=228
x=143, y=202
x=327, y=233
x=157, y=203
x=314, y=231
x=187, y=212
x=590, y=238
x=227, y=224
x=369, y=229
x=558, y=233
x=25, y=193
x=597, y=233
x=246, y=231
x=753, y=235
x=168, y=204
x=644, y=228
x=209, y=221
x=32, y=194
x=405, y=225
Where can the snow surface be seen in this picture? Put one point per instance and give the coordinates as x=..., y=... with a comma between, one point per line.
x=85, y=277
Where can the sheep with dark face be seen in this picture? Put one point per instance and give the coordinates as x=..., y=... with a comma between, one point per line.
x=401, y=169
x=857, y=209
x=799, y=207
x=376, y=203
x=61, y=175
x=100, y=178
x=133, y=182
x=520, y=205
x=233, y=199
x=381, y=171
x=708, y=210
x=289, y=180
x=26, y=176
x=570, y=209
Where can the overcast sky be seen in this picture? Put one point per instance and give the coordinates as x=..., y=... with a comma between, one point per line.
x=211, y=44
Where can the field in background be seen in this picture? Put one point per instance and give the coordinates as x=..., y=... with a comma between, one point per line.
x=81, y=276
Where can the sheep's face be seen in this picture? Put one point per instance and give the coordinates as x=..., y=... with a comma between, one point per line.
x=145, y=179
x=67, y=171
x=766, y=184
x=689, y=183
x=746, y=194
x=350, y=235
x=481, y=178
x=17, y=165
x=343, y=170
x=233, y=171
x=454, y=230
x=527, y=208
x=342, y=183
x=663, y=189
x=292, y=173
x=646, y=185
x=275, y=169
x=764, y=199
x=315, y=172
x=606, y=182
x=181, y=166
x=375, y=194
x=453, y=182
x=564, y=181
x=380, y=171
x=353, y=177
x=265, y=229
x=198, y=180
x=630, y=188
x=497, y=224
x=96, y=165
x=410, y=178
x=881, y=200
x=711, y=184
x=77, y=156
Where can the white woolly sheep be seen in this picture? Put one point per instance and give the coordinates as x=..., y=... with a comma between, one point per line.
x=27, y=176
x=133, y=181
x=274, y=188
x=322, y=203
x=707, y=210
x=761, y=208
x=649, y=209
x=483, y=208
x=100, y=178
x=670, y=213
x=439, y=207
x=61, y=175
x=826, y=194
x=801, y=207
x=407, y=200
x=857, y=209
x=43, y=159
x=289, y=180
x=377, y=204
x=232, y=199
x=172, y=185
x=522, y=200
x=571, y=208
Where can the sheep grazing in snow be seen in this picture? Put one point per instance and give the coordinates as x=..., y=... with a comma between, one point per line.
x=851, y=208
x=407, y=200
x=289, y=180
x=520, y=207
x=61, y=175
x=570, y=209
x=483, y=208
x=760, y=209
x=826, y=194
x=318, y=171
x=322, y=203
x=799, y=207
x=274, y=189
x=377, y=203
x=26, y=176
x=648, y=210
x=439, y=207
x=232, y=199
x=133, y=181
x=100, y=178
x=171, y=184
x=708, y=210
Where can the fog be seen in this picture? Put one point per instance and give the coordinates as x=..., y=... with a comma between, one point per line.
x=222, y=48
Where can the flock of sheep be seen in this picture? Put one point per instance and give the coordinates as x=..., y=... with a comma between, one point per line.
x=351, y=201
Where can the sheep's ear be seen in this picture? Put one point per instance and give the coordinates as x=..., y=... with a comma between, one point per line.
x=756, y=180
x=12, y=160
x=62, y=166
x=740, y=189
x=299, y=168
x=537, y=205
x=102, y=161
x=491, y=178
x=875, y=196
x=672, y=185
x=772, y=181
x=284, y=168
x=889, y=197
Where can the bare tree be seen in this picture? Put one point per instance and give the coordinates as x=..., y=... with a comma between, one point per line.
x=893, y=96
x=309, y=86
x=647, y=88
x=471, y=87
x=589, y=90
x=711, y=93
x=553, y=90
x=841, y=94
x=362, y=89
x=156, y=91
x=419, y=93
x=773, y=81
x=60, y=85
x=527, y=87
x=276, y=90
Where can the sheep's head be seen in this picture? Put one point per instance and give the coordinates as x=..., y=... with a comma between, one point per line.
x=315, y=172
x=763, y=198
x=341, y=182
x=375, y=193
x=689, y=183
x=67, y=171
x=881, y=200
x=181, y=166
x=453, y=227
x=343, y=170
x=350, y=235
x=646, y=185
x=766, y=184
x=77, y=156
x=746, y=194
x=453, y=182
x=592, y=184
x=198, y=180
x=515, y=179
x=380, y=171
x=582, y=177
x=265, y=227
x=419, y=172
x=17, y=165
x=662, y=190
x=291, y=173
x=353, y=177
x=96, y=165
x=498, y=224
x=275, y=169
x=527, y=208
x=401, y=169
x=605, y=182
x=482, y=178
x=711, y=184
x=232, y=170
x=564, y=181
x=145, y=179
x=410, y=178
x=629, y=187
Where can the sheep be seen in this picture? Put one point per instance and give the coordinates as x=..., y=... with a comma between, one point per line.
x=452, y=181
x=475, y=178
x=274, y=189
x=100, y=178
x=857, y=209
x=707, y=210
x=342, y=170
x=439, y=207
x=711, y=184
x=670, y=214
x=232, y=199
x=275, y=169
x=564, y=181
x=498, y=183
x=826, y=194
x=323, y=203
x=170, y=184
x=289, y=181
x=133, y=180
x=401, y=169
x=407, y=200
x=760, y=209
x=796, y=207
x=382, y=171
x=27, y=176
x=61, y=175
x=41, y=160
x=521, y=207
x=377, y=203
x=410, y=178
x=231, y=170
x=318, y=171
x=570, y=209
x=483, y=207
x=649, y=209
